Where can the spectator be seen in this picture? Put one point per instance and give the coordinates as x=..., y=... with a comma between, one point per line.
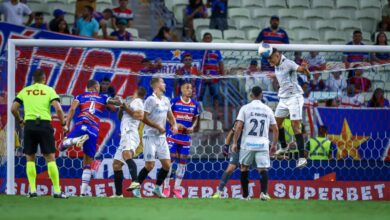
x=164, y=34
x=362, y=84
x=212, y=66
x=105, y=20
x=122, y=12
x=317, y=84
x=380, y=58
x=353, y=57
x=378, y=100
x=39, y=21
x=188, y=69
x=121, y=34
x=14, y=11
x=218, y=19
x=272, y=35
x=336, y=83
x=316, y=62
x=146, y=75
x=63, y=27
x=196, y=9
x=87, y=26
x=105, y=87
x=320, y=148
x=59, y=15
x=255, y=77
x=352, y=99
x=306, y=90
x=253, y=67
x=386, y=14
x=298, y=57
x=332, y=103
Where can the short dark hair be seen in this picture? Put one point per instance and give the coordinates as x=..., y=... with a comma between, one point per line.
x=154, y=80
x=322, y=129
x=38, y=14
x=91, y=83
x=357, y=32
x=106, y=79
x=256, y=91
x=90, y=8
x=184, y=83
x=38, y=75
x=141, y=92
x=107, y=10
x=207, y=33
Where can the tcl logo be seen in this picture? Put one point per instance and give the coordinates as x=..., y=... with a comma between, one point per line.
x=35, y=92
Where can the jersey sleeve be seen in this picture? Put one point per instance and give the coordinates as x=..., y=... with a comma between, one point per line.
x=197, y=109
x=241, y=115
x=26, y=10
x=149, y=105
x=272, y=120
x=105, y=98
x=292, y=65
x=137, y=105
x=20, y=97
x=53, y=95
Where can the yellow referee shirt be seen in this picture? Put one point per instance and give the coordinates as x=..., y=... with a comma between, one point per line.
x=36, y=100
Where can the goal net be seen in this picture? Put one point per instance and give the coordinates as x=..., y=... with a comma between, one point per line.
x=336, y=95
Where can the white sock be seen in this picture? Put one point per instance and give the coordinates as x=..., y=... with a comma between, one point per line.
x=166, y=181
x=85, y=178
x=70, y=141
x=181, y=169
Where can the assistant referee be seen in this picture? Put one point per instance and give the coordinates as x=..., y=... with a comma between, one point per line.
x=36, y=100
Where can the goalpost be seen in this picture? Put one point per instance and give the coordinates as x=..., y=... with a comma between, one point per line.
x=13, y=44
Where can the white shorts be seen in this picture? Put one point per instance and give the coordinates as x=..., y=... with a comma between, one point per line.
x=292, y=106
x=261, y=158
x=129, y=141
x=155, y=148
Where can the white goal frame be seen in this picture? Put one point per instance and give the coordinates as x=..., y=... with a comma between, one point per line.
x=11, y=58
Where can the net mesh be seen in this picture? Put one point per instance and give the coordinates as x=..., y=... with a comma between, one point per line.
x=360, y=134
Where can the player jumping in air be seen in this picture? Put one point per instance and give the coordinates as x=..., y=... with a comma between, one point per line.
x=130, y=113
x=233, y=162
x=186, y=113
x=290, y=100
x=157, y=111
x=254, y=120
x=85, y=131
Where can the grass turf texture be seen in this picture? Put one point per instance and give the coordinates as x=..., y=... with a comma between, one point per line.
x=42, y=208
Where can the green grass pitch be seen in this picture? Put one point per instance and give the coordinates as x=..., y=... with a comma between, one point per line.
x=42, y=208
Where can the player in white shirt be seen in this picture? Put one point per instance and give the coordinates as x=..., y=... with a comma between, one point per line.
x=130, y=113
x=14, y=11
x=254, y=120
x=290, y=100
x=157, y=111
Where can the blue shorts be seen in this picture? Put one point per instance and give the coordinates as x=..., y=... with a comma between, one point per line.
x=178, y=148
x=89, y=147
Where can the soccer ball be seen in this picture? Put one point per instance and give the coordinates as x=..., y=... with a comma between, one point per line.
x=265, y=50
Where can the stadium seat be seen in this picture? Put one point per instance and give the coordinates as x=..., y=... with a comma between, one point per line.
x=178, y=10
x=53, y=1
x=241, y=41
x=70, y=19
x=245, y=24
x=286, y=13
x=217, y=34
x=171, y=4
x=291, y=35
x=252, y=34
x=238, y=13
x=252, y=3
x=324, y=4
x=297, y=24
x=314, y=14
x=263, y=13
x=235, y=4
x=324, y=25
x=364, y=4
x=332, y=36
x=340, y=14
x=38, y=7
x=54, y=5
x=201, y=23
x=133, y=32
x=347, y=4
x=220, y=41
x=275, y=4
x=70, y=8
x=308, y=35
x=350, y=25
x=232, y=23
x=233, y=34
x=298, y=4
x=369, y=18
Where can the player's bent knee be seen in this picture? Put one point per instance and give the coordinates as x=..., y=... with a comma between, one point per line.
x=230, y=169
x=48, y=157
x=117, y=165
x=127, y=154
x=244, y=168
x=166, y=164
x=149, y=165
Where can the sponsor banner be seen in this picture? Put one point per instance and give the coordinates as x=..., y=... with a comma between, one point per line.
x=313, y=190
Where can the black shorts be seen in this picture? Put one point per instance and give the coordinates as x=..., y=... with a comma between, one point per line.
x=42, y=134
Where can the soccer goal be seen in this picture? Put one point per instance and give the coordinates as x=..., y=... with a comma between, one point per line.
x=336, y=96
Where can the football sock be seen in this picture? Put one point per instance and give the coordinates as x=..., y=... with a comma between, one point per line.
x=118, y=179
x=224, y=179
x=85, y=178
x=162, y=174
x=282, y=138
x=166, y=181
x=244, y=183
x=31, y=175
x=264, y=181
x=300, y=144
x=180, y=171
x=69, y=142
x=132, y=168
x=142, y=175
x=52, y=169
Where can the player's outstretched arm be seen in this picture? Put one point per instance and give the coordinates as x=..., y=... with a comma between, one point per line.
x=15, y=112
x=304, y=68
x=150, y=123
x=115, y=101
x=172, y=121
x=237, y=133
x=275, y=136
